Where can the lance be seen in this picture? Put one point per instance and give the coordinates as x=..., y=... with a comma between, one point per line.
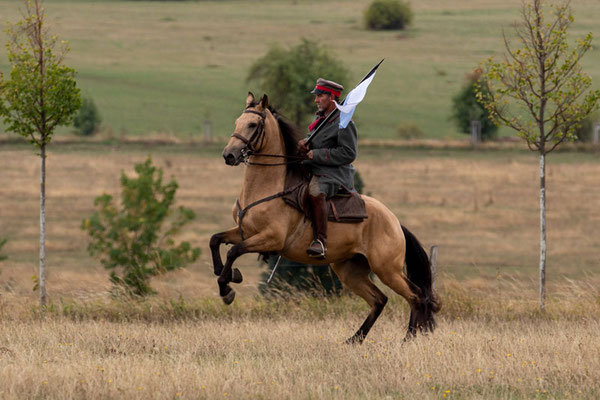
x=323, y=123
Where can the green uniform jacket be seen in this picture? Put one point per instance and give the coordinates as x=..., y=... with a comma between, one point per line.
x=334, y=149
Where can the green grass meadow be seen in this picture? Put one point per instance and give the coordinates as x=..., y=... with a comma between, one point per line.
x=165, y=67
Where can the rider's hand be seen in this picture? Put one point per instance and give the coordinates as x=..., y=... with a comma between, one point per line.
x=302, y=147
x=309, y=155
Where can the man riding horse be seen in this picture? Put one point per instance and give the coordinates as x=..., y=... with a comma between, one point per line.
x=329, y=160
x=265, y=222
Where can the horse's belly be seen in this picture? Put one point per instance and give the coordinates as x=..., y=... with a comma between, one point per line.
x=343, y=242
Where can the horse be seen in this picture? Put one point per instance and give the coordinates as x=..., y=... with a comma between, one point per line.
x=266, y=225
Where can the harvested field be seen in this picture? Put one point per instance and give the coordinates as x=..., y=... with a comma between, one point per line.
x=479, y=207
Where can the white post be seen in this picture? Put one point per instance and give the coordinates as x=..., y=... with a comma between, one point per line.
x=596, y=138
x=475, y=131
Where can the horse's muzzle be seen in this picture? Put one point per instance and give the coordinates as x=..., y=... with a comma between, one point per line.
x=231, y=158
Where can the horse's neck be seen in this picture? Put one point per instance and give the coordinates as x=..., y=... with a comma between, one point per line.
x=263, y=181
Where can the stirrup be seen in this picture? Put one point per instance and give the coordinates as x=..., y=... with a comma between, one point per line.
x=320, y=254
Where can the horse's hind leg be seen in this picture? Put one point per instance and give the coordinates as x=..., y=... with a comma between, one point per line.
x=354, y=274
x=392, y=275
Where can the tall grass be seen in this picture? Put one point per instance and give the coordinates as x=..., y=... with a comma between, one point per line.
x=489, y=344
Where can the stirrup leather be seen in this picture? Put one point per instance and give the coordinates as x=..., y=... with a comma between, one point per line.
x=316, y=253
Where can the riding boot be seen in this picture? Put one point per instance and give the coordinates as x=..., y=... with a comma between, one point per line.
x=318, y=205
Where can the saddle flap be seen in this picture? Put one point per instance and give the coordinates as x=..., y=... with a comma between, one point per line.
x=345, y=207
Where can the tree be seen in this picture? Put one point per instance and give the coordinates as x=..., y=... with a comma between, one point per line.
x=466, y=108
x=539, y=90
x=40, y=95
x=288, y=76
x=134, y=239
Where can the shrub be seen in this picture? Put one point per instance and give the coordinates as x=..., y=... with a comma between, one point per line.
x=292, y=278
x=388, y=14
x=410, y=131
x=133, y=239
x=585, y=133
x=466, y=108
x=87, y=119
x=359, y=184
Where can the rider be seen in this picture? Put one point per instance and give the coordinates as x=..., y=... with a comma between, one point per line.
x=330, y=155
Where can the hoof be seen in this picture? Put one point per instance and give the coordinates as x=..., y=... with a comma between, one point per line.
x=236, y=276
x=355, y=340
x=229, y=297
x=410, y=335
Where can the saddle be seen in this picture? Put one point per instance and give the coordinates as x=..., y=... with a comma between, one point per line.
x=345, y=206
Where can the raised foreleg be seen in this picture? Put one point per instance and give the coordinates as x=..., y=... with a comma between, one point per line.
x=258, y=243
x=231, y=236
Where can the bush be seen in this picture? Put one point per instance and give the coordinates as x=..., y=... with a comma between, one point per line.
x=388, y=14
x=359, y=184
x=288, y=76
x=410, y=131
x=87, y=119
x=466, y=108
x=585, y=133
x=132, y=239
x=292, y=278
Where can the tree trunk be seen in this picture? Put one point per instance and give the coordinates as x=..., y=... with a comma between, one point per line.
x=42, y=280
x=542, y=229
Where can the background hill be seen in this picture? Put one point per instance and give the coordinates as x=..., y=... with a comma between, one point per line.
x=167, y=66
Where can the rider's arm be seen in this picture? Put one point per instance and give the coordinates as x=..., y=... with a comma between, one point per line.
x=344, y=153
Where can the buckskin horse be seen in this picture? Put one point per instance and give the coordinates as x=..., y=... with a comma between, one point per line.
x=266, y=142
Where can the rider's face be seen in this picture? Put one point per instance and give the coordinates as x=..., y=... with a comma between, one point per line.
x=324, y=102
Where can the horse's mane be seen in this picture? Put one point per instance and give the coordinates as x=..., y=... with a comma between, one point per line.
x=291, y=133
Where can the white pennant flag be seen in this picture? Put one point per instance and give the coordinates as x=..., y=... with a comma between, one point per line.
x=354, y=97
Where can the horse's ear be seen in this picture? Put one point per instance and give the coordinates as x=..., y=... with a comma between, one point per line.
x=264, y=102
x=249, y=99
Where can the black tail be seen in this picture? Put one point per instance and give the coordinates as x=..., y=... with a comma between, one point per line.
x=418, y=271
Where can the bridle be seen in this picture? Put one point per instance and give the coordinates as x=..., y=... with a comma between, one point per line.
x=256, y=142
x=258, y=136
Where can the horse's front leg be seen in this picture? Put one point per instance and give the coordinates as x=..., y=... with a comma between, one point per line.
x=254, y=244
x=231, y=236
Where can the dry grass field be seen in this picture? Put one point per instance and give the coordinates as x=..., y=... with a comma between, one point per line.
x=479, y=207
x=300, y=357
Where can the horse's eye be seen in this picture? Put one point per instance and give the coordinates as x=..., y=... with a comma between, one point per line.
x=252, y=125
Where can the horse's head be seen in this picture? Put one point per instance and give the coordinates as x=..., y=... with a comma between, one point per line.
x=249, y=134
